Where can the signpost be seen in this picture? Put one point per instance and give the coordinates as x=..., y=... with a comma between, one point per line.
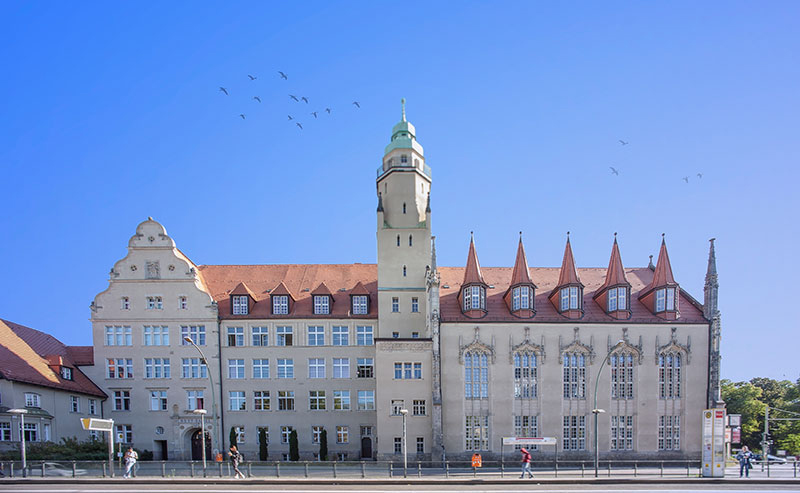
x=106, y=425
x=713, y=443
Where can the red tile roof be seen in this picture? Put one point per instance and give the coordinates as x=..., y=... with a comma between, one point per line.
x=567, y=274
x=547, y=278
x=321, y=290
x=520, y=274
x=297, y=280
x=26, y=355
x=359, y=289
x=472, y=274
x=243, y=290
x=663, y=273
x=615, y=274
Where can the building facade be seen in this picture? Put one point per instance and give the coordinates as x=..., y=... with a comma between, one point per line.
x=464, y=355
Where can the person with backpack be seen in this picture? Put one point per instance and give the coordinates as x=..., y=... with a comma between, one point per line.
x=526, y=463
x=236, y=459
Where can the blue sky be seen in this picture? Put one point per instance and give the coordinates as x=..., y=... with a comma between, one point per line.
x=111, y=112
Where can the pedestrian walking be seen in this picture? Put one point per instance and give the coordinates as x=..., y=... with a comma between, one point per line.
x=526, y=463
x=236, y=459
x=130, y=459
x=745, y=458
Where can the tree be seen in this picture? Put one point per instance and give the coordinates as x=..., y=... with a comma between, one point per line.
x=233, y=436
x=744, y=398
x=294, y=451
x=263, y=450
x=323, y=445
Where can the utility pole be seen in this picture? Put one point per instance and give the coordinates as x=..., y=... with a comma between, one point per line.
x=764, y=444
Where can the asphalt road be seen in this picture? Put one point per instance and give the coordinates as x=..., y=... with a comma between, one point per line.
x=234, y=487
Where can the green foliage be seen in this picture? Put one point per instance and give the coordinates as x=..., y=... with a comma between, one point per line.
x=294, y=450
x=67, y=449
x=323, y=445
x=232, y=437
x=263, y=450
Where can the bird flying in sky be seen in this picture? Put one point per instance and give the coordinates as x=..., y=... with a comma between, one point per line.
x=294, y=97
x=242, y=115
x=257, y=98
x=614, y=170
x=283, y=76
x=686, y=179
x=222, y=89
x=700, y=175
x=328, y=110
x=623, y=142
x=298, y=124
x=304, y=99
x=358, y=105
x=314, y=113
x=290, y=117
x=251, y=77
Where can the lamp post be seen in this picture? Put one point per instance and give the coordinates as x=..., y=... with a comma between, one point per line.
x=202, y=413
x=404, y=412
x=213, y=398
x=22, y=413
x=597, y=411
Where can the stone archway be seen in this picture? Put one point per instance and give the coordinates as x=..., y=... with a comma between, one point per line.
x=196, y=442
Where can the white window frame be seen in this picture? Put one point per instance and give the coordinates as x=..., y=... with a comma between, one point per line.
x=360, y=305
x=364, y=335
x=74, y=404
x=366, y=400
x=341, y=400
x=261, y=368
x=280, y=304
x=236, y=369
x=155, y=335
x=241, y=304
x=284, y=335
x=235, y=336
x=322, y=305
x=157, y=368
x=341, y=367
x=158, y=400
x=316, y=367
x=32, y=399
x=237, y=400
x=414, y=305
x=317, y=400
x=315, y=334
x=193, y=368
x=340, y=335
x=476, y=375
x=261, y=400
x=365, y=368
x=574, y=375
x=195, y=399
x=197, y=333
x=155, y=303
x=260, y=336
x=285, y=368
x=119, y=335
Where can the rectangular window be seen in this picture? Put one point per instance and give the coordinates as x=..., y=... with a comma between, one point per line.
x=414, y=305
x=183, y=303
x=286, y=432
x=622, y=298
x=397, y=406
x=364, y=335
x=32, y=400
x=341, y=335
x=525, y=375
x=366, y=368
x=395, y=305
x=316, y=335
x=280, y=305
x=193, y=368
x=119, y=368
x=126, y=431
x=612, y=299
x=321, y=305
x=574, y=437
x=156, y=368
x=122, y=400
x=283, y=335
x=260, y=336
x=408, y=371
x=158, y=400
x=661, y=295
x=194, y=400
x=156, y=335
x=93, y=406
x=240, y=305
x=235, y=336
x=316, y=400
x=261, y=400
x=398, y=445
x=342, y=434
x=574, y=376
x=341, y=367
x=574, y=302
x=621, y=365
x=418, y=408
x=119, y=335
x=669, y=432
x=237, y=400
x=5, y=432
x=670, y=299
x=235, y=368
x=239, y=430
x=316, y=368
x=477, y=298
x=564, y=299
x=341, y=400
x=126, y=303
x=31, y=432
x=669, y=375
x=621, y=432
x=66, y=373
x=420, y=445
x=74, y=404
x=261, y=368
x=366, y=400
x=285, y=400
x=285, y=368
x=476, y=375
x=360, y=305
x=417, y=371
x=154, y=303
x=526, y=426
x=476, y=431
x=197, y=333
x=316, y=434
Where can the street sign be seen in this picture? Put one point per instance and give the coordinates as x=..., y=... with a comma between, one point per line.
x=734, y=420
x=97, y=424
x=713, y=452
x=529, y=441
x=736, y=435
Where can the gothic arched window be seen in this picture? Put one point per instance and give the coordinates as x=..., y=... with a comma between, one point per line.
x=476, y=375
x=669, y=374
x=621, y=366
x=525, y=375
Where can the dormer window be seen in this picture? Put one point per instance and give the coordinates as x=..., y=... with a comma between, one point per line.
x=474, y=298
x=665, y=300
x=570, y=298
x=280, y=305
x=322, y=305
x=617, y=299
x=66, y=373
x=521, y=298
x=240, y=305
x=360, y=305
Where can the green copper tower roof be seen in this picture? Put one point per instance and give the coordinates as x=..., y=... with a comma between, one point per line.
x=403, y=135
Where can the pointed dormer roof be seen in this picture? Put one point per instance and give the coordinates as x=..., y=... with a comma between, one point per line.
x=242, y=289
x=322, y=290
x=663, y=273
x=615, y=275
x=281, y=290
x=568, y=274
x=472, y=274
x=520, y=274
x=359, y=289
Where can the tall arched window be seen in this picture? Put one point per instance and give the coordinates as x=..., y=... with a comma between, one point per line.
x=410, y=240
x=524, y=375
x=621, y=365
x=476, y=375
x=574, y=375
x=669, y=375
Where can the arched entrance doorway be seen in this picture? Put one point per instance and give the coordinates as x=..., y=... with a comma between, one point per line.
x=366, y=448
x=197, y=444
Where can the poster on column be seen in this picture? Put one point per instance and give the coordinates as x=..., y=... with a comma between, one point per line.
x=713, y=455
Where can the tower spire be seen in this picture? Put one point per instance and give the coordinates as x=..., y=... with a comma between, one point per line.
x=710, y=306
x=403, y=103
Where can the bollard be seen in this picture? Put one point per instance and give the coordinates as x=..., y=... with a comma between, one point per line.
x=795, y=468
x=688, y=474
x=249, y=469
x=44, y=473
x=502, y=469
x=474, y=471
x=447, y=469
x=363, y=470
x=662, y=469
x=163, y=469
x=305, y=468
x=419, y=470
x=583, y=468
x=104, y=469
x=73, y=469
x=11, y=470
x=635, y=469
x=390, y=470
x=609, y=468
x=220, y=468
x=277, y=469
x=191, y=473
x=555, y=468
x=334, y=469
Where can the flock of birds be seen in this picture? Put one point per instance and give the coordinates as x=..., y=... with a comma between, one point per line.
x=293, y=97
x=615, y=171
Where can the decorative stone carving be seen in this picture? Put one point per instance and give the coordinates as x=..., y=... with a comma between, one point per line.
x=477, y=346
x=152, y=270
x=394, y=347
x=627, y=346
x=576, y=346
x=526, y=346
x=133, y=268
x=674, y=346
x=171, y=267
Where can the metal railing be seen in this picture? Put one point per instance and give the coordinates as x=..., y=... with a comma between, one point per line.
x=425, y=169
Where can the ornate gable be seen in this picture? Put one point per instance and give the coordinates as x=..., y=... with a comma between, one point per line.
x=526, y=346
x=576, y=346
x=625, y=345
x=674, y=346
x=476, y=345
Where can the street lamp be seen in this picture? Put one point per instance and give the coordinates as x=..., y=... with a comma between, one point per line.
x=22, y=413
x=189, y=340
x=202, y=413
x=404, y=412
x=597, y=411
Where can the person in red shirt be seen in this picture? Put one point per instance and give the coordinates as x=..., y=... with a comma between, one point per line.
x=526, y=463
